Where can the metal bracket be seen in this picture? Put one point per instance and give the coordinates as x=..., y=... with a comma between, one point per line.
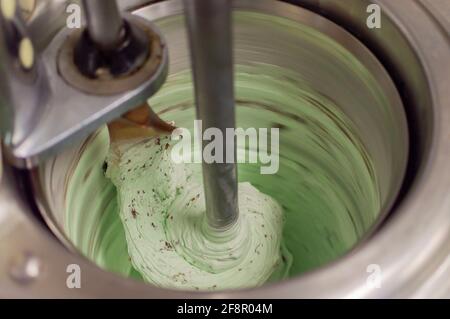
x=66, y=112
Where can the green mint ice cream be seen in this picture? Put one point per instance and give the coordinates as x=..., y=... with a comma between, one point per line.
x=162, y=208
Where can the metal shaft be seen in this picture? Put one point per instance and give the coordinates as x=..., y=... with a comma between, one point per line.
x=210, y=37
x=104, y=22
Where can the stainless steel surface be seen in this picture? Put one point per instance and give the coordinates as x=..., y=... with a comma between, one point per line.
x=210, y=37
x=57, y=113
x=104, y=23
x=22, y=89
x=411, y=247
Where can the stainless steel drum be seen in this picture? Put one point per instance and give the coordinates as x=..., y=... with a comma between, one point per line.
x=390, y=83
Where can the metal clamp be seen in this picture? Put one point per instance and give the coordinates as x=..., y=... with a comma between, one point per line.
x=50, y=104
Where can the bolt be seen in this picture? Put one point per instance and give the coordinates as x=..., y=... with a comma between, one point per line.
x=8, y=8
x=25, y=268
x=26, y=53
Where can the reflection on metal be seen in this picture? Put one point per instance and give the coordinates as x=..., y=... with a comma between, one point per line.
x=27, y=8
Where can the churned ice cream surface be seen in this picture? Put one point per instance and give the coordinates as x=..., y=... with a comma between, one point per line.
x=162, y=208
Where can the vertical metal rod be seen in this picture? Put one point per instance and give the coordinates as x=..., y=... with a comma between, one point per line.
x=210, y=37
x=104, y=22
